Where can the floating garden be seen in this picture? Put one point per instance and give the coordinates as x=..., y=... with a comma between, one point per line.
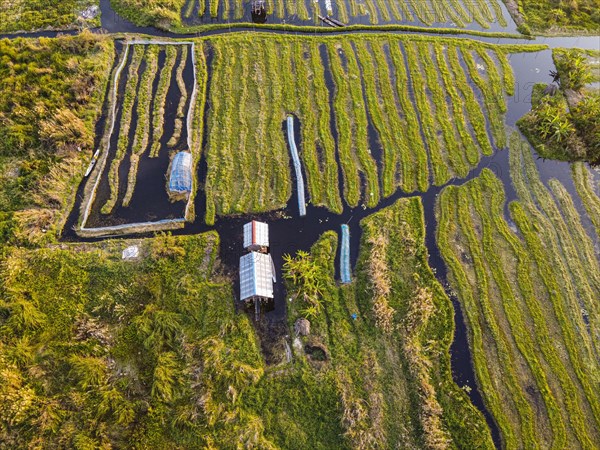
x=151, y=110
x=197, y=14
x=536, y=270
x=388, y=336
x=376, y=114
x=138, y=342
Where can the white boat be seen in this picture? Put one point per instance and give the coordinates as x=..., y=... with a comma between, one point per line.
x=92, y=163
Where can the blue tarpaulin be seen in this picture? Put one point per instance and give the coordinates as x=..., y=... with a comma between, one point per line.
x=180, y=180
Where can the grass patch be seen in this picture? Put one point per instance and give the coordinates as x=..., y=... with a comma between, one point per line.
x=31, y=15
x=51, y=93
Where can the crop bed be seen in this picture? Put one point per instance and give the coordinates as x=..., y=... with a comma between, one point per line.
x=149, y=121
x=530, y=293
x=461, y=13
x=384, y=113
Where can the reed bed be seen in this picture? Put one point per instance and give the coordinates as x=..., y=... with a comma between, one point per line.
x=538, y=385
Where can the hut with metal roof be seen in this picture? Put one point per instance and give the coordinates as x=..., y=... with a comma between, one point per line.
x=256, y=236
x=180, y=180
x=256, y=277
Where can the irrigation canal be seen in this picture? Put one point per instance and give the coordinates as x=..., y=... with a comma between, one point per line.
x=289, y=232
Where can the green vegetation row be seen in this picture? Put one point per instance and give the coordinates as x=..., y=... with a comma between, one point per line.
x=529, y=303
x=127, y=110
x=386, y=337
x=30, y=15
x=164, y=82
x=183, y=94
x=178, y=13
x=51, y=93
x=378, y=87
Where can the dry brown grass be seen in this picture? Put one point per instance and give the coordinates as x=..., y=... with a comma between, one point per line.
x=380, y=283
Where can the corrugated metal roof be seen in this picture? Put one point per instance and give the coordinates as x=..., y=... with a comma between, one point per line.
x=181, y=173
x=256, y=276
x=256, y=233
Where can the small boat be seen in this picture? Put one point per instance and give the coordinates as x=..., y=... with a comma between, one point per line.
x=92, y=163
x=327, y=21
x=335, y=21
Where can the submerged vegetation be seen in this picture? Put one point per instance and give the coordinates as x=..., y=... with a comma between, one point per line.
x=565, y=124
x=51, y=92
x=539, y=273
x=29, y=15
x=378, y=87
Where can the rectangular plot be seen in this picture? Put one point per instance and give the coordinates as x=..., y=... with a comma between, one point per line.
x=159, y=83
